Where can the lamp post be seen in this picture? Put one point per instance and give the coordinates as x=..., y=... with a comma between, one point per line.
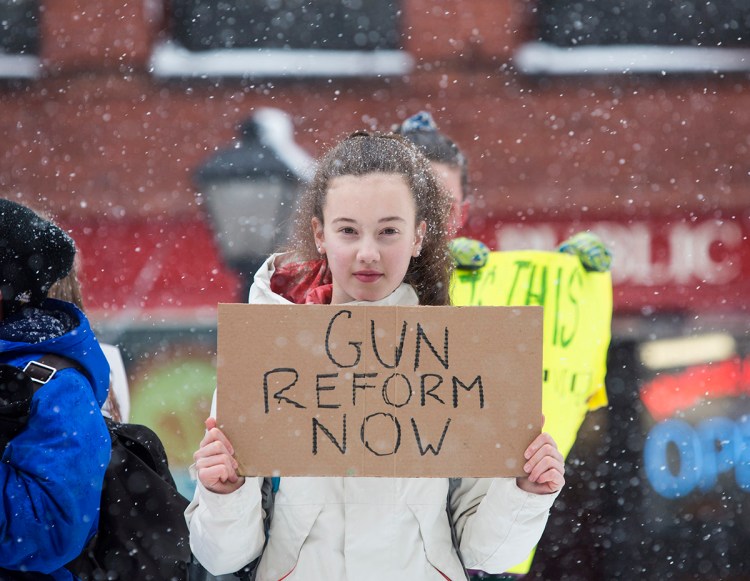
x=249, y=190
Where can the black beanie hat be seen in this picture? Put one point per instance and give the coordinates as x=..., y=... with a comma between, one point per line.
x=34, y=254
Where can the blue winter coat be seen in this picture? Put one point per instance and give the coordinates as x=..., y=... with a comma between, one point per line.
x=51, y=473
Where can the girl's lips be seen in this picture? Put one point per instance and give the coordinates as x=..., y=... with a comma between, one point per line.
x=367, y=276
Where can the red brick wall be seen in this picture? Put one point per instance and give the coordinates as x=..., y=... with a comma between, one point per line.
x=98, y=134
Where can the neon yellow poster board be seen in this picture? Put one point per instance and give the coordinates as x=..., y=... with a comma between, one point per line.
x=577, y=326
x=577, y=329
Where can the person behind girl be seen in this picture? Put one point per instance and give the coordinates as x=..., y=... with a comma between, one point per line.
x=451, y=166
x=371, y=229
x=446, y=159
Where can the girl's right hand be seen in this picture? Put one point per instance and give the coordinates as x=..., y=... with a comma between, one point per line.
x=217, y=468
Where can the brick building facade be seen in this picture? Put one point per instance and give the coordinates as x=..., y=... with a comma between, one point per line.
x=98, y=137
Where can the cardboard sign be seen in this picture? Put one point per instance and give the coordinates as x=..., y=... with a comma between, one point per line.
x=379, y=391
x=577, y=326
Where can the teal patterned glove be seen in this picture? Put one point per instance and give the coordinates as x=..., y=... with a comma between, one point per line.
x=590, y=250
x=469, y=254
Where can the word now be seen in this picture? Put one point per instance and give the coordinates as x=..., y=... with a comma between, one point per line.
x=713, y=447
x=383, y=423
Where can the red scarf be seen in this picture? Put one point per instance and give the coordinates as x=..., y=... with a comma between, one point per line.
x=301, y=283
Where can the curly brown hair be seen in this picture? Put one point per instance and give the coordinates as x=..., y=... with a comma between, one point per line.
x=362, y=153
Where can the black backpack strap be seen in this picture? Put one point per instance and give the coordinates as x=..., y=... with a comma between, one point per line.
x=44, y=368
x=16, y=391
x=17, y=388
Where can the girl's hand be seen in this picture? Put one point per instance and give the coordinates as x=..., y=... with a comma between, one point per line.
x=217, y=469
x=544, y=466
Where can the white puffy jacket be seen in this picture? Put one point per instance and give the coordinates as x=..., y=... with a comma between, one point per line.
x=362, y=529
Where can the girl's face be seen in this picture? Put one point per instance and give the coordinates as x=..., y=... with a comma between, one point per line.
x=369, y=234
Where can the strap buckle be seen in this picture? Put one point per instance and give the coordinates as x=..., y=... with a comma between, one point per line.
x=39, y=372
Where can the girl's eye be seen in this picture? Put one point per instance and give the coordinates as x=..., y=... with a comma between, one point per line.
x=390, y=231
x=347, y=230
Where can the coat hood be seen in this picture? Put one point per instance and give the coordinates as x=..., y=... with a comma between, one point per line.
x=78, y=344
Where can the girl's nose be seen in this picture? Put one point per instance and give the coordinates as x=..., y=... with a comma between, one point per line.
x=368, y=252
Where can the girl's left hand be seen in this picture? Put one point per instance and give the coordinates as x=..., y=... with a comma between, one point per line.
x=544, y=465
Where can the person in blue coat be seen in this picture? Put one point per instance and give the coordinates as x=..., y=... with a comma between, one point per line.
x=51, y=471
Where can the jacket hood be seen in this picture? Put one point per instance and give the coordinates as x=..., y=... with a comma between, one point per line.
x=78, y=344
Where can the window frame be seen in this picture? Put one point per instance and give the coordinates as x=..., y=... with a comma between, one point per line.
x=15, y=65
x=540, y=58
x=569, y=49
x=170, y=58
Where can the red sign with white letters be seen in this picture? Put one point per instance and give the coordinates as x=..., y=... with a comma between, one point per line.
x=698, y=264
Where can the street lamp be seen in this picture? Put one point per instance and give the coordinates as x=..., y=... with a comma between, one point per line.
x=249, y=190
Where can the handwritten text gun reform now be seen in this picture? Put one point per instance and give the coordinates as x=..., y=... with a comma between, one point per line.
x=379, y=391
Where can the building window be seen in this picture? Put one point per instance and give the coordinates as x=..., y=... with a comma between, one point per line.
x=282, y=38
x=19, y=38
x=614, y=36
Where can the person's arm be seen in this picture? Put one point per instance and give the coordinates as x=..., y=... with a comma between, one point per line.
x=500, y=520
x=51, y=475
x=226, y=530
x=498, y=524
x=225, y=517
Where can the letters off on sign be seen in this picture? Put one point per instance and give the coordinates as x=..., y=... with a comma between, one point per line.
x=379, y=391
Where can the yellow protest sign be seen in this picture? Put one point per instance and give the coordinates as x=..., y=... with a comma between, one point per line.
x=577, y=330
x=577, y=326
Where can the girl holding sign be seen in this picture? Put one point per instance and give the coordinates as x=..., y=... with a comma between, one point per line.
x=371, y=229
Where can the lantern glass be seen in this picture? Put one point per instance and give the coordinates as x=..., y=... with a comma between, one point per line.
x=249, y=216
